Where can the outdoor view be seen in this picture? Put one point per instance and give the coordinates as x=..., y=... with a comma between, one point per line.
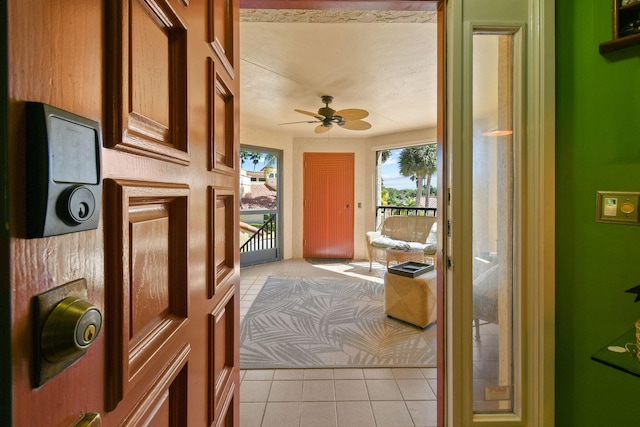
x=406, y=178
x=258, y=206
x=401, y=173
x=258, y=180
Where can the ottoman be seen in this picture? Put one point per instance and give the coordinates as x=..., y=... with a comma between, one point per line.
x=412, y=300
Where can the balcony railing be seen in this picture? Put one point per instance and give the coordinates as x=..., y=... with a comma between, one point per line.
x=263, y=238
x=384, y=211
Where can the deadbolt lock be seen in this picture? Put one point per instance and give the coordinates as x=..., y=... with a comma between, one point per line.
x=72, y=326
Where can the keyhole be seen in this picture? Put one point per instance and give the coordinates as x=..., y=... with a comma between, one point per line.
x=89, y=333
x=83, y=210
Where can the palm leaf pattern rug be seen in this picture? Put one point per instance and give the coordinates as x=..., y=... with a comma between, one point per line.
x=311, y=322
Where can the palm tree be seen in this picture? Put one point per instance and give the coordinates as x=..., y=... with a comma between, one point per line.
x=270, y=159
x=431, y=169
x=381, y=157
x=419, y=163
x=255, y=158
x=244, y=156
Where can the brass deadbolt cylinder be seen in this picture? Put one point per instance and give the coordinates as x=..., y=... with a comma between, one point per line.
x=72, y=326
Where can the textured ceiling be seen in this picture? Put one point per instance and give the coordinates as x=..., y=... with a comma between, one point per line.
x=381, y=61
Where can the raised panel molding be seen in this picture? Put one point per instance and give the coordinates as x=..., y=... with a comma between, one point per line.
x=221, y=32
x=146, y=278
x=221, y=357
x=229, y=413
x=146, y=112
x=221, y=250
x=222, y=136
x=165, y=402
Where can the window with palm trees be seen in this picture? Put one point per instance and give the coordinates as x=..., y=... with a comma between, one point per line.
x=404, y=181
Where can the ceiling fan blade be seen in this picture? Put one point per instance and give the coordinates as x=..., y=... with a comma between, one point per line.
x=357, y=125
x=309, y=113
x=352, y=114
x=304, y=121
x=322, y=129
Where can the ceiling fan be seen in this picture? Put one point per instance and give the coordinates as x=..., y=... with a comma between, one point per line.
x=350, y=118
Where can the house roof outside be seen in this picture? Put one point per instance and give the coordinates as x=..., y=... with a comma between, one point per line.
x=261, y=196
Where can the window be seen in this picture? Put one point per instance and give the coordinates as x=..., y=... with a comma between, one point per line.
x=493, y=206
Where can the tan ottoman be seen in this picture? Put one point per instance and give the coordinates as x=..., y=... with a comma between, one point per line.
x=411, y=299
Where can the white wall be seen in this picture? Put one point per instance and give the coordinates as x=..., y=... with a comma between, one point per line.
x=364, y=177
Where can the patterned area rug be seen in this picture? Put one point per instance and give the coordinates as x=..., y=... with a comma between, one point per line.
x=311, y=322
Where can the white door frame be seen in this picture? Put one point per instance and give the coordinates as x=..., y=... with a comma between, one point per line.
x=534, y=364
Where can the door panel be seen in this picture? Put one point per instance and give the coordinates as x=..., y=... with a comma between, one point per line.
x=146, y=280
x=146, y=112
x=163, y=266
x=328, y=205
x=165, y=403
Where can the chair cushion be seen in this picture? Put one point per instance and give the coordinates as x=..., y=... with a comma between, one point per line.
x=388, y=242
x=432, y=238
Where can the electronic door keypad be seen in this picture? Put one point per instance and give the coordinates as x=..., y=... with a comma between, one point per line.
x=64, y=186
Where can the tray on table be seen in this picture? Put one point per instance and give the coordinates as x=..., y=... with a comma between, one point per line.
x=410, y=268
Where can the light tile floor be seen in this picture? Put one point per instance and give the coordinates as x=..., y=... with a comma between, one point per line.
x=338, y=397
x=368, y=397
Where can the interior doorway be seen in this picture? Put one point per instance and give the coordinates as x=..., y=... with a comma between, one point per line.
x=294, y=151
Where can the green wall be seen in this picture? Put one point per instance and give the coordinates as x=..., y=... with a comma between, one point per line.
x=597, y=148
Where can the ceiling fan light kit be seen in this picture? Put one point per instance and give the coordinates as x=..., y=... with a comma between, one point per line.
x=350, y=118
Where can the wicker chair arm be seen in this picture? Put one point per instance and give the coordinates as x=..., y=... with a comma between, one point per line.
x=372, y=235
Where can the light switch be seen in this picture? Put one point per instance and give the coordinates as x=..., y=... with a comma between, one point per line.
x=618, y=207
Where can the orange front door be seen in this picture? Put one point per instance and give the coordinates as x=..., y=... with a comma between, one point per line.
x=161, y=78
x=328, y=205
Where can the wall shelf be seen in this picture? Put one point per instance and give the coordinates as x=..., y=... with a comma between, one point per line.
x=624, y=35
x=625, y=362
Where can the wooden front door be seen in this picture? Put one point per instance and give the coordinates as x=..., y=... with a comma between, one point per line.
x=328, y=205
x=161, y=78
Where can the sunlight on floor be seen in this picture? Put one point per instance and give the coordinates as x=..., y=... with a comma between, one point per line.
x=346, y=397
x=358, y=270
